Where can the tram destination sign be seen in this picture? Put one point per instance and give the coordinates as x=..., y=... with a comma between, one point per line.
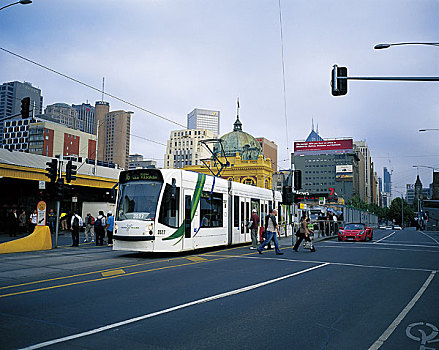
x=140, y=175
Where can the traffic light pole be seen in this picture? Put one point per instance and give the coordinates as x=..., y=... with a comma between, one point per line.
x=58, y=204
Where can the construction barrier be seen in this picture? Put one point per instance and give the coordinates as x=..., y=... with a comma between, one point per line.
x=40, y=239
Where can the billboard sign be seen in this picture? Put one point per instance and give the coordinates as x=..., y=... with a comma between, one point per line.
x=344, y=172
x=323, y=147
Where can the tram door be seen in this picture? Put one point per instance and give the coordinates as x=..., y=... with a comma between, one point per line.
x=189, y=223
x=245, y=215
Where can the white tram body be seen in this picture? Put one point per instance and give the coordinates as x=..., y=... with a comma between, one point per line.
x=171, y=210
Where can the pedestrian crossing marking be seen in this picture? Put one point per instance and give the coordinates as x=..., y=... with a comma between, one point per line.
x=112, y=273
x=196, y=258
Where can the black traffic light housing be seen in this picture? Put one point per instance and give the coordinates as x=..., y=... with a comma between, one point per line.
x=59, y=188
x=70, y=171
x=287, y=195
x=297, y=180
x=339, y=86
x=52, y=170
x=25, y=107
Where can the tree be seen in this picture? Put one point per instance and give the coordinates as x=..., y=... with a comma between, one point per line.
x=395, y=211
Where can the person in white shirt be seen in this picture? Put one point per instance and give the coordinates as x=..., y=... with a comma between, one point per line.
x=75, y=224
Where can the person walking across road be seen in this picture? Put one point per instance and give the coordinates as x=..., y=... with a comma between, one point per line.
x=75, y=223
x=99, y=228
x=89, y=227
x=303, y=234
x=272, y=228
x=254, y=229
x=110, y=228
x=51, y=221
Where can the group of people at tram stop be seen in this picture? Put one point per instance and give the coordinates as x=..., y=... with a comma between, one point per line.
x=271, y=230
x=19, y=223
x=101, y=227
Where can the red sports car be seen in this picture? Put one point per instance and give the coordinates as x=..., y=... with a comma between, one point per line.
x=355, y=232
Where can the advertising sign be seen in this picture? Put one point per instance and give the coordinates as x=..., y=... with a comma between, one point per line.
x=344, y=172
x=322, y=147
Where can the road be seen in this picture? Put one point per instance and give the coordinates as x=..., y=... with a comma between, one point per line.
x=347, y=295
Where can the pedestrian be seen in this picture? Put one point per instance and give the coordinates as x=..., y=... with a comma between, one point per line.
x=75, y=224
x=271, y=227
x=254, y=220
x=335, y=221
x=51, y=218
x=13, y=223
x=99, y=228
x=303, y=234
x=22, y=222
x=89, y=227
x=110, y=228
x=33, y=220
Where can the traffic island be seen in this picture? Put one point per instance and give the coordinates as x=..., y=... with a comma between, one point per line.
x=40, y=239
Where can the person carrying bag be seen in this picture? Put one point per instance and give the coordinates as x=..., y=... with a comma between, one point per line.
x=303, y=234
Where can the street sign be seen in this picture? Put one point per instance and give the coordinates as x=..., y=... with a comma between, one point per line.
x=41, y=185
x=74, y=199
x=41, y=209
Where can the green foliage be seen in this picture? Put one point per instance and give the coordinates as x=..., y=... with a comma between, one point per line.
x=395, y=211
x=358, y=203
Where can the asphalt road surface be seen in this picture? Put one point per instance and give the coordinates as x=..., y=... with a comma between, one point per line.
x=347, y=295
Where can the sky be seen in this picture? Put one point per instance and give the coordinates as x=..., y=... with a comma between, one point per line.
x=169, y=57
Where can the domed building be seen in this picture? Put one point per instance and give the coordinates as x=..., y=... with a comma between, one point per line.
x=244, y=154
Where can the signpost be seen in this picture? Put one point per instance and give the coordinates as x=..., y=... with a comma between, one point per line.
x=41, y=213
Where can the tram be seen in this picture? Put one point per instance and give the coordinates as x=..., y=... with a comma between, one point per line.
x=173, y=210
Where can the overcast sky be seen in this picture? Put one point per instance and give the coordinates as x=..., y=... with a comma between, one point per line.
x=170, y=57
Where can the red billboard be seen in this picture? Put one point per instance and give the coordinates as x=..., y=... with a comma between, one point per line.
x=327, y=146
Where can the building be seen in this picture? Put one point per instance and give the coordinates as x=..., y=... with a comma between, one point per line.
x=184, y=148
x=387, y=181
x=64, y=114
x=113, y=130
x=204, y=119
x=368, y=171
x=269, y=150
x=330, y=168
x=137, y=162
x=86, y=116
x=15, y=134
x=11, y=94
x=244, y=154
x=410, y=193
x=52, y=139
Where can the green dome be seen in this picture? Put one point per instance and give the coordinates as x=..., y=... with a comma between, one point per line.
x=240, y=142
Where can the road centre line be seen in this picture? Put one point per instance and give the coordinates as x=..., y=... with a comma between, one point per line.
x=333, y=263
x=108, y=277
x=429, y=237
x=384, y=243
x=384, y=237
x=101, y=271
x=388, y=332
x=175, y=308
x=380, y=247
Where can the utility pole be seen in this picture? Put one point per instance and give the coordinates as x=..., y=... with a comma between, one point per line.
x=96, y=149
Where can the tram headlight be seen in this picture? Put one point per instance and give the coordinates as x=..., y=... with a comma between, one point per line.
x=149, y=229
x=115, y=228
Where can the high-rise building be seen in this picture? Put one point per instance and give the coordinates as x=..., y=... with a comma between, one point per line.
x=204, y=119
x=368, y=175
x=64, y=114
x=137, y=162
x=86, y=116
x=183, y=148
x=269, y=150
x=387, y=181
x=11, y=94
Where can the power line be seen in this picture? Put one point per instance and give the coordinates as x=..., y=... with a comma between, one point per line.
x=92, y=87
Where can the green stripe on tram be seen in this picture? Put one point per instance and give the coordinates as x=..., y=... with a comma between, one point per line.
x=179, y=233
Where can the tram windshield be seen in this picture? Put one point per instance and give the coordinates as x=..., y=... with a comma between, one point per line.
x=138, y=200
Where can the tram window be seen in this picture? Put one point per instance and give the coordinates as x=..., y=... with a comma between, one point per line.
x=270, y=205
x=247, y=215
x=236, y=211
x=211, y=209
x=242, y=218
x=169, y=208
x=187, y=217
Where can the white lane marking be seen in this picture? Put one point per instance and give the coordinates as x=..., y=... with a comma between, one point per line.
x=388, y=332
x=330, y=263
x=385, y=237
x=378, y=247
x=175, y=308
x=429, y=237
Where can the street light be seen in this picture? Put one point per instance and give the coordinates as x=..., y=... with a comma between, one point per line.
x=22, y=2
x=386, y=46
x=431, y=129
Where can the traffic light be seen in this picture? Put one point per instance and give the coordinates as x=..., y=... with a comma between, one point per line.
x=287, y=195
x=25, y=106
x=297, y=180
x=59, y=188
x=70, y=171
x=52, y=170
x=339, y=86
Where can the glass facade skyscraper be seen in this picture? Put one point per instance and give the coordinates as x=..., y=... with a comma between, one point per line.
x=204, y=119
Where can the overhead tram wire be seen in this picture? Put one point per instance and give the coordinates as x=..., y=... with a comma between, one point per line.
x=283, y=74
x=93, y=88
